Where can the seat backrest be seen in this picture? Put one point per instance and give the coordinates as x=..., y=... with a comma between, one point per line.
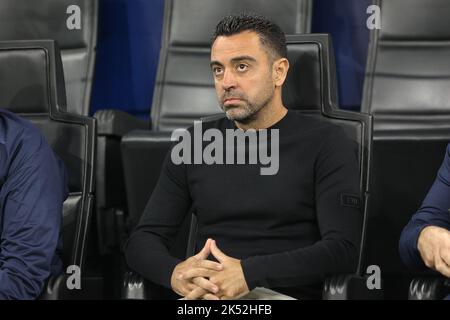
x=408, y=67
x=406, y=90
x=402, y=172
x=32, y=86
x=184, y=89
x=50, y=19
x=313, y=54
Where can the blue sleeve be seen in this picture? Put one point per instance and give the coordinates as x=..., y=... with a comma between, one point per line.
x=31, y=201
x=433, y=212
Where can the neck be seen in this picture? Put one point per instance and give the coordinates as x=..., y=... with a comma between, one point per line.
x=265, y=118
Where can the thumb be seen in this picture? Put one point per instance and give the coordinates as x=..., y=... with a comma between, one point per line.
x=219, y=255
x=204, y=253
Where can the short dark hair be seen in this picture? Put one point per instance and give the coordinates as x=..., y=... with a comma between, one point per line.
x=270, y=34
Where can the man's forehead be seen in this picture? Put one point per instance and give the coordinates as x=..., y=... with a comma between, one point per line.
x=246, y=43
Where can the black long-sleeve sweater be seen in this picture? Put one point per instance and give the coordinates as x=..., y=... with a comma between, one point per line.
x=289, y=229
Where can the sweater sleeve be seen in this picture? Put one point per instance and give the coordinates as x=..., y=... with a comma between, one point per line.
x=339, y=220
x=147, y=249
x=31, y=202
x=434, y=211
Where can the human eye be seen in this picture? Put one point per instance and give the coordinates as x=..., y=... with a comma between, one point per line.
x=242, y=67
x=217, y=71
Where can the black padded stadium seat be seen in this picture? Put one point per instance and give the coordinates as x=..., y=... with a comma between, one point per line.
x=32, y=86
x=407, y=92
x=47, y=19
x=310, y=87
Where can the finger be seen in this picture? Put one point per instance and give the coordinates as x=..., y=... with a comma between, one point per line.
x=207, y=264
x=219, y=255
x=198, y=272
x=190, y=286
x=442, y=267
x=210, y=296
x=445, y=255
x=204, y=253
x=185, y=288
x=232, y=297
x=196, y=294
x=206, y=284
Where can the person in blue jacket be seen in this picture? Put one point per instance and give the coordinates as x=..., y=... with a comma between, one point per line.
x=425, y=241
x=33, y=187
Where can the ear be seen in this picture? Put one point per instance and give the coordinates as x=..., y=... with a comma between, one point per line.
x=280, y=70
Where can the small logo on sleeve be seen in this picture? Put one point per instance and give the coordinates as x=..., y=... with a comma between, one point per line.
x=350, y=200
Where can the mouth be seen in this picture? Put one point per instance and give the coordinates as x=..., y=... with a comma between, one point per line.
x=231, y=100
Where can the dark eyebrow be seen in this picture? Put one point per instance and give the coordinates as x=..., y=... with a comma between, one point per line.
x=215, y=63
x=234, y=60
x=240, y=58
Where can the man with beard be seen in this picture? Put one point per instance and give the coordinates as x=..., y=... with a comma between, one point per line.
x=285, y=231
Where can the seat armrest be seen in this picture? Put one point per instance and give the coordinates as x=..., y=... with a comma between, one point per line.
x=349, y=287
x=117, y=123
x=111, y=201
x=91, y=288
x=137, y=288
x=143, y=154
x=429, y=288
x=133, y=286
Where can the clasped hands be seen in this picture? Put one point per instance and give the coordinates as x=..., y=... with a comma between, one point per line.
x=434, y=247
x=199, y=278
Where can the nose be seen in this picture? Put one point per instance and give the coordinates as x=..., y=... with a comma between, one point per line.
x=228, y=80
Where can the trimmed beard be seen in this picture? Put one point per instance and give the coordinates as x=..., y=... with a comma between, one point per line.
x=250, y=110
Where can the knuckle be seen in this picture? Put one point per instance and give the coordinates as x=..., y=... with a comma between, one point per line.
x=227, y=293
x=212, y=288
x=185, y=292
x=212, y=273
x=192, y=260
x=192, y=295
x=185, y=274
